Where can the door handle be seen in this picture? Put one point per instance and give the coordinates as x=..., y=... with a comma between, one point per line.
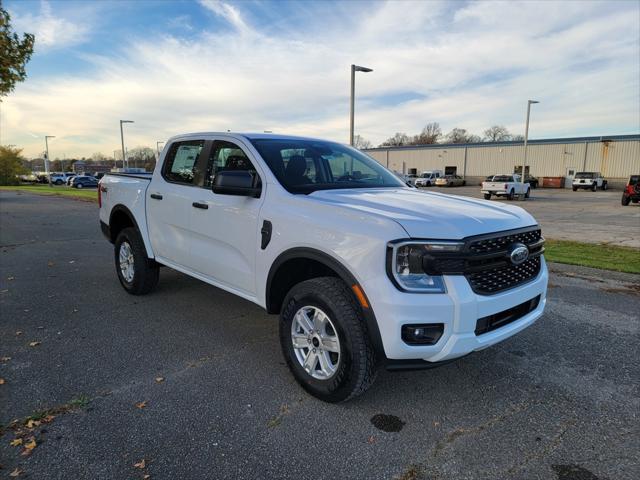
x=156, y=196
x=203, y=206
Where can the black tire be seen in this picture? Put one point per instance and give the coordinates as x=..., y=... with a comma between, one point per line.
x=356, y=368
x=575, y=189
x=78, y=185
x=512, y=194
x=487, y=196
x=58, y=182
x=464, y=183
x=625, y=200
x=604, y=186
x=146, y=271
x=594, y=187
x=528, y=194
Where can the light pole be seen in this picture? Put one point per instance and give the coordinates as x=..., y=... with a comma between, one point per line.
x=122, y=140
x=46, y=163
x=158, y=150
x=354, y=69
x=526, y=139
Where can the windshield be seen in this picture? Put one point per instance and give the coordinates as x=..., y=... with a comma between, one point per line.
x=304, y=166
x=585, y=175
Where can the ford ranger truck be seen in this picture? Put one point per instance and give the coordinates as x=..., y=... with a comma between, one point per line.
x=505, y=186
x=363, y=271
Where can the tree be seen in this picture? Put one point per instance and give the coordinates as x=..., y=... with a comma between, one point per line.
x=518, y=138
x=397, y=140
x=14, y=54
x=140, y=156
x=361, y=143
x=99, y=157
x=430, y=134
x=497, y=133
x=460, y=135
x=11, y=165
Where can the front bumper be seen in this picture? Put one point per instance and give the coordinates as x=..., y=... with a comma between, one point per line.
x=459, y=309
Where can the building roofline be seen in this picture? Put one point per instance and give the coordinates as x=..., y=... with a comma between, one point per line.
x=542, y=141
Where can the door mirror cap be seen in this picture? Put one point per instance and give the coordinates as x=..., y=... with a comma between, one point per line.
x=237, y=182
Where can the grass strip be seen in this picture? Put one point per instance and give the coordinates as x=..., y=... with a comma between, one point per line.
x=89, y=194
x=602, y=256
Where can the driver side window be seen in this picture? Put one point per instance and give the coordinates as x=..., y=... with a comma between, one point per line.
x=226, y=156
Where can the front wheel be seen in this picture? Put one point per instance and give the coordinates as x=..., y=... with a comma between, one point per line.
x=137, y=273
x=625, y=200
x=575, y=189
x=594, y=187
x=58, y=182
x=604, y=185
x=512, y=194
x=324, y=340
x=528, y=194
x=79, y=185
x=487, y=196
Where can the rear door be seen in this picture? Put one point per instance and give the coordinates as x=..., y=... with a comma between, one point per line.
x=169, y=199
x=225, y=227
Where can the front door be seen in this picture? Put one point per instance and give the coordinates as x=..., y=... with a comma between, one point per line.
x=225, y=230
x=568, y=179
x=169, y=202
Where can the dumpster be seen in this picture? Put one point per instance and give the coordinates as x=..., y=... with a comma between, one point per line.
x=552, y=182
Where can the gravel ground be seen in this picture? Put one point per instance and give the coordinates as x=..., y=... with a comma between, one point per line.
x=560, y=400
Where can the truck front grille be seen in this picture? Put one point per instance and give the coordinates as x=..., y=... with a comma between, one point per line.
x=497, y=244
x=494, y=280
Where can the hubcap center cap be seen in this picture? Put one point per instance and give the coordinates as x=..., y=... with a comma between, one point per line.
x=316, y=342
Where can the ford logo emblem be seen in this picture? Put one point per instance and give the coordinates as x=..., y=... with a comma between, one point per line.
x=519, y=253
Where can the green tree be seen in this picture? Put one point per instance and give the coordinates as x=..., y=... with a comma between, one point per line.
x=14, y=54
x=11, y=165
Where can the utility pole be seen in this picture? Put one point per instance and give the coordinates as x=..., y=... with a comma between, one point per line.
x=354, y=69
x=46, y=162
x=122, y=141
x=526, y=139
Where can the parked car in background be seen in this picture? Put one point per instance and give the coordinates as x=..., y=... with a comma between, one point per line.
x=450, y=181
x=70, y=177
x=84, y=181
x=60, y=178
x=589, y=180
x=532, y=181
x=505, y=186
x=428, y=178
x=411, y=179
x=98, y=175
x=362, y=270
x=631, y=191
x=28, y=178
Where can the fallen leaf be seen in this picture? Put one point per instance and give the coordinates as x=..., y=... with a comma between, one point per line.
x=72, y=261
x=19, y=332
x=75, y=310
x=371, y=439
x=141, y=404
x=34, y=344
x=32, y=423
x=26, y=310
x=159, y=379
x=50, y=263
x=10, y=278
x=141, y=464
x=1, y=381
x=18, y=471
x=15, y=442
x=31, y=444
x=48, y=419
x=146, y=476
x=5, y=359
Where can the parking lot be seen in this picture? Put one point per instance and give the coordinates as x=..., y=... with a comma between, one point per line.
x=191, y=380
x=583, y=216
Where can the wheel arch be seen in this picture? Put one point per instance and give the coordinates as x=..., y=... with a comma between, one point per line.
x=120, y=218
x=302, y=263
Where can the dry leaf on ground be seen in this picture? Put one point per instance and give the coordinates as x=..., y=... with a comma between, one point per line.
x=15, y=442
x=32, y=423
x=34, y=344
x=159, y=379
x=18, y=471
x=1, y=381
x=141, y=404
x=31, y=444
x=141, y=464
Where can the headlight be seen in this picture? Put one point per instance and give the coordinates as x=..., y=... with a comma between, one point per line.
x=405, y=265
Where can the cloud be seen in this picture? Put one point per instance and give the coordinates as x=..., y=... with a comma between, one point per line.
x=51, y=31
x=460, y=68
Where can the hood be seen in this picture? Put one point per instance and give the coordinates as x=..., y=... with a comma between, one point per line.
x=427, y=214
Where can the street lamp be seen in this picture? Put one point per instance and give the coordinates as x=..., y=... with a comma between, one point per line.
x=122, y=140
x=354, y=69
x=46, y=164
x=526, y=139
x=158, y=150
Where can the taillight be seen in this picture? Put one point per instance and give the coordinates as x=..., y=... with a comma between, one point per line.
x=99, y=195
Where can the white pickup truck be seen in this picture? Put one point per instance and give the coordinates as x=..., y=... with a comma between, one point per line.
x=508, y=186
x=363, y=270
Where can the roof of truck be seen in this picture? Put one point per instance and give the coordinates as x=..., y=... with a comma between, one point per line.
x=248, y=136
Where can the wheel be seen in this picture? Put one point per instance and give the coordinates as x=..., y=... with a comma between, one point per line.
x=512, y=194
x=464, y=183
x=487, y=196
x=137, y=273
x=58, y=182
x=604, y=185
x=625, y=200
x=528, y=194
x=594, y=187
x=79, y=185
x=428, y=184
x=324, y=340
x=575, y=189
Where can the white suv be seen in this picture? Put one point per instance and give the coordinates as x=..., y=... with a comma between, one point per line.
x=589, y=180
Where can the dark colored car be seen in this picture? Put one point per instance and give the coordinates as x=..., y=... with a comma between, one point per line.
x=532, y=181
x=631, y=192
x=84, y=181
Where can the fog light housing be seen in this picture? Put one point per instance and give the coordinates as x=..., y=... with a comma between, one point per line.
x=422, y=334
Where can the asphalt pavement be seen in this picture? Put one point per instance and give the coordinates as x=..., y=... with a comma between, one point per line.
x=188, y=382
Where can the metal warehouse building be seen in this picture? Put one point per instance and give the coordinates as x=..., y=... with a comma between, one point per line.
x=616, y=157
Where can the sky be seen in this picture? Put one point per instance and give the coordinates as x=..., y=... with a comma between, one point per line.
x=249, y=66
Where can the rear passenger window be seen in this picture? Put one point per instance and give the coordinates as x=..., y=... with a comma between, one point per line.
x=180, y=165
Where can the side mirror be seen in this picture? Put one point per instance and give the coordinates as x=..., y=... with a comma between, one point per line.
x=237, y=182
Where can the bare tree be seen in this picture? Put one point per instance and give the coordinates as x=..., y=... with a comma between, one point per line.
x=397, y=140
x=460, y=135
x=517, y=138
x=141, y=156
x=497, y=133
x=430, y=134
x=361, y=143
x=99, y=157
